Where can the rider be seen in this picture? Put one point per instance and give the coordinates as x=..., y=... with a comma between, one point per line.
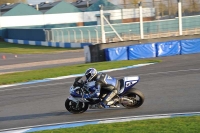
x=104, y=81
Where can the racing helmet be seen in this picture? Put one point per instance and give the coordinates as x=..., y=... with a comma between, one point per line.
x=90, y=74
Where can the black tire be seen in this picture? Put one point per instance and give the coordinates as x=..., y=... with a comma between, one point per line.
x=137, y=97
x=71, y=106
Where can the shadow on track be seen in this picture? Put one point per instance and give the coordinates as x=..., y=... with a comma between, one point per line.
x=65, y=113
x=31, y=116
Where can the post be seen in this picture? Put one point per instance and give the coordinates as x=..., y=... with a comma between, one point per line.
x=68, y=35
x=48, y=35
x=180, y=18
x=75, y=35
x=37, y=7
x=102, y=25
x=45, y=34
x=53, y=40
x=97, y=36
x=81, y=35
x=130, y=34
x=57, y=37
x=141, y=20
x=87, y=3
x=62, y=35
x=89, y=36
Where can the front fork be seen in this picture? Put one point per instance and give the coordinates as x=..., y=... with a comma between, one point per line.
x=73, y=99
x=77, y=99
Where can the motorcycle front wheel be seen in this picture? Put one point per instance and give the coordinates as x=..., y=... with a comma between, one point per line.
x=75, y=108
x=136, y=97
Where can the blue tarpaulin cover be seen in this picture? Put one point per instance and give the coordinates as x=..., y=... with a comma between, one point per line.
x=118, y=53
x=141, y=51
x=190, y=46
x=168, y=48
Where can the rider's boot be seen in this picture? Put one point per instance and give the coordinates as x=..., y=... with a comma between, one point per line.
x=108, y=99
x=114, y=106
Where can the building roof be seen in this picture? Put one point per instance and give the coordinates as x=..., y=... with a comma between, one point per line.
x=106, y=6
x=6, y=7
x=84, y=4
x=55, y=7
x=63, y=7
x=44, y=6
x=17, y=9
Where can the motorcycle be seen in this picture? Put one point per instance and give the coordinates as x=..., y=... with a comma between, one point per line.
x=127, y=96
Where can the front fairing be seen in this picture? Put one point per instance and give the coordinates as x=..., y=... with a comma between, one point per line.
x=81, y=99
x=75, y=91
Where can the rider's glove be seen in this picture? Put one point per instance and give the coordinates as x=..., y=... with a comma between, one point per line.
x=86, y=96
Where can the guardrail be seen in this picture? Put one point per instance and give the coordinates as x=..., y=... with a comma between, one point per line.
x=77, y=37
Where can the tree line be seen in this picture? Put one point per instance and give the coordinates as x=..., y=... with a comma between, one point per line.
x=12, y=1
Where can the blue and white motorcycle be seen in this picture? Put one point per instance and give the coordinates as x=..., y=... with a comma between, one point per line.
x=127, y=96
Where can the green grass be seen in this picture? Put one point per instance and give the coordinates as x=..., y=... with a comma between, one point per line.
x=65, y=70
x=28, y=49
x=169, y=125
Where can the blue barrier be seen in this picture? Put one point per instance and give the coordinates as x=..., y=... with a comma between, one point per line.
x=168, y=48
x=150, y=50
x=190, y=46
x=113, y=54
x=141, y=51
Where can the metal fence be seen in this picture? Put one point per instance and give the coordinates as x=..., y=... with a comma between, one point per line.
x=90, y=34
x=135, y=21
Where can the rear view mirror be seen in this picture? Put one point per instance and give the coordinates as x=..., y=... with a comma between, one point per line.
x=77, y=79
x=76, y=83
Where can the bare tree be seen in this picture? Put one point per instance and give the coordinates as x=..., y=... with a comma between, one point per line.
x=162, y=8
x=172, y=7
x=135, y=2
x=190, y=6
x=12, y=1
x=193, y=6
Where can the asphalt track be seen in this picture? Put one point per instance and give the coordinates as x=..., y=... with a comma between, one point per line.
x=172, y=86
x=21, y=62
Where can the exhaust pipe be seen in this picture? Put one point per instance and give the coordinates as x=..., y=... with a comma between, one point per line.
x=125, y=101
x=121, y=100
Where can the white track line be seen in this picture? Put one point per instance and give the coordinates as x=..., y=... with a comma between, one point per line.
x=95, y=121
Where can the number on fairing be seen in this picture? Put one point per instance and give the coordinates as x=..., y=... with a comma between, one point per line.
x=108, y=77
x=129, y=83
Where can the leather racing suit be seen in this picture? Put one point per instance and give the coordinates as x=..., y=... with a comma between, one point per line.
x=104, y=81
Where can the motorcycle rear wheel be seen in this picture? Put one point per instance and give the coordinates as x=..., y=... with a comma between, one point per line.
x=72, y=106
x=136, y=96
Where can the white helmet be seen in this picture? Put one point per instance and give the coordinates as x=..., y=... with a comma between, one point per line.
x=90, y=74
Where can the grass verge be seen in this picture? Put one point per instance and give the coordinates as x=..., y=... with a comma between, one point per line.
x=65, y=70
x=29, y=49
x=168, y=125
